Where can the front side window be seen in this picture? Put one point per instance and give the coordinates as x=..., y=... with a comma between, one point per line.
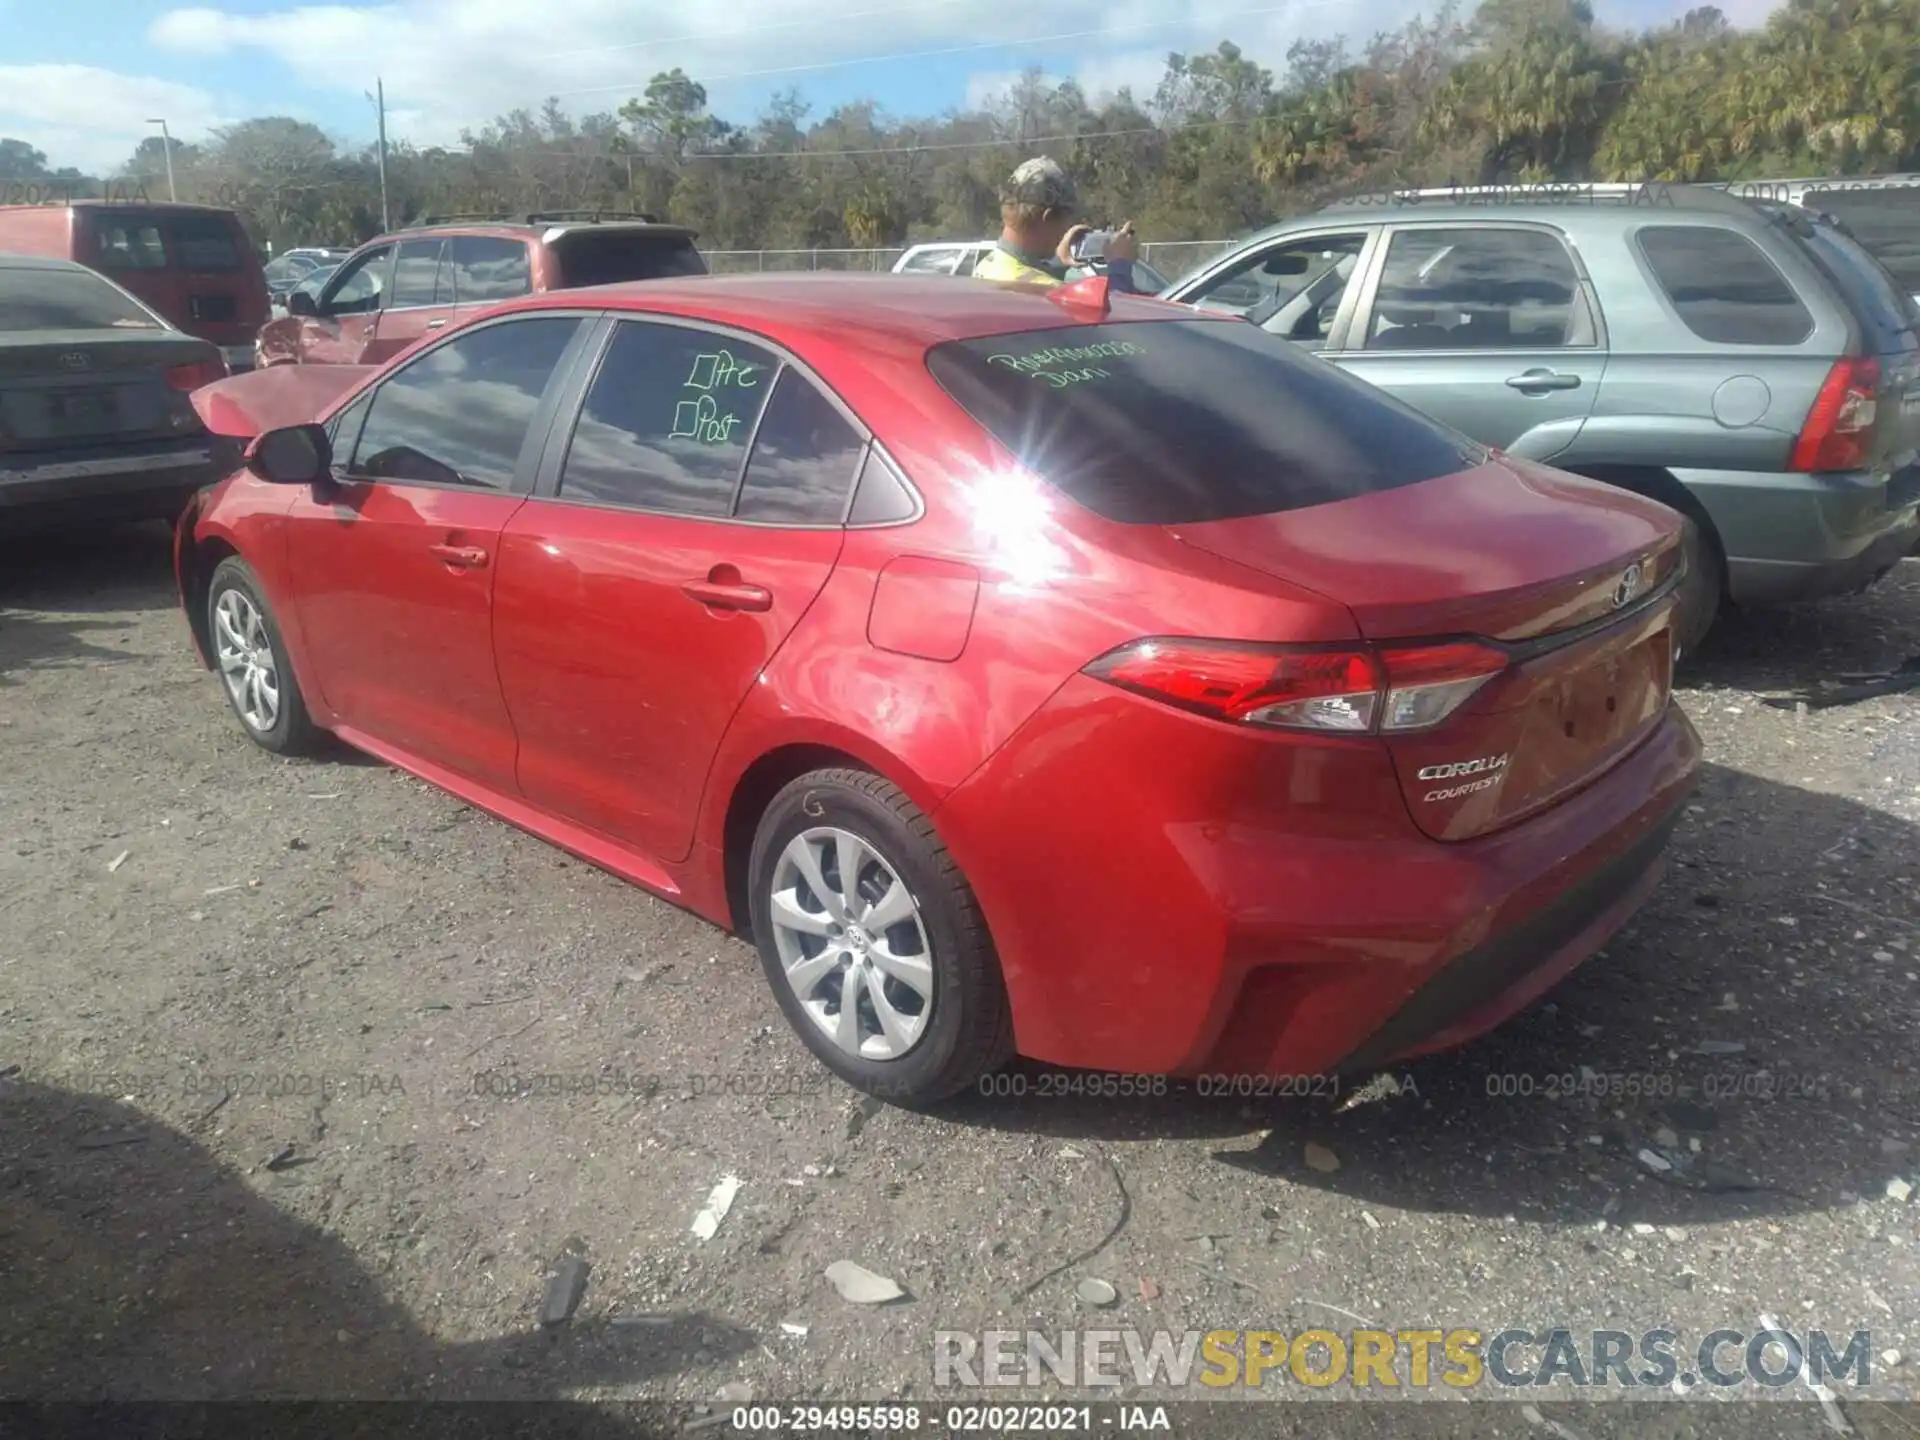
x=458, y=415
x=1723, y=287
x=415, y=270
x=358, y=288
x=667, y=420
x=1292, y=289
x=1185, y=421
x=1478, y=289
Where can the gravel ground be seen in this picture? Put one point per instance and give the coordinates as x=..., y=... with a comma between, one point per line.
x=272, y=1126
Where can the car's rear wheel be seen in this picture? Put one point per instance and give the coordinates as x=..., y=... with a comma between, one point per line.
x=251, y=659
x=873, y=941
x=1703, y=592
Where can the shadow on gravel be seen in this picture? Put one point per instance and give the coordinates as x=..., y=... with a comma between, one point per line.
x=134, y=1266
x=126, y=567
x=1768, y=1108
x=1791, y=648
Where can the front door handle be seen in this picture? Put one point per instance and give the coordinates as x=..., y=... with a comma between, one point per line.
x=1541, y=381
x=728, y=594
x=435, y=324
x=461, y=557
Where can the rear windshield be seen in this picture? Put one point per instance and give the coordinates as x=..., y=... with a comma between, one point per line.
x=607, y=257
x=1871, y=293
x=1184, y=421
x=66, y=300
x=1886, y=221
x=156, y=240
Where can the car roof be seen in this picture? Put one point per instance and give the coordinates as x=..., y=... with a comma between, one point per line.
x=1587, y=204
x=39, y=262
x=902, y=309
x=543, y=223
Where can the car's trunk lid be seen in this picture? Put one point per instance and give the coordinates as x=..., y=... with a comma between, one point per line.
x=81, y=387
x=1554, y=570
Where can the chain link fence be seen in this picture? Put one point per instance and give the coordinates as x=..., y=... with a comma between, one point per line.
x=1172, y=258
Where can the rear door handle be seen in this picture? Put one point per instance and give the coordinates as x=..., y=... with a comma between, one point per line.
x=435, y=324
x=1543, y=380
x=461, y=557
x=718, y=595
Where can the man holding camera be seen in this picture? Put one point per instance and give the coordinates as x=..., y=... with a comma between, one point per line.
x=1041, y=242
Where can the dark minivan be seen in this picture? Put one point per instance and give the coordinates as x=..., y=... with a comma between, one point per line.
x=194, y=264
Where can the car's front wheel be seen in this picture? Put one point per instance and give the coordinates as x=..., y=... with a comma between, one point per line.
x=873, y=941
x=251, y=659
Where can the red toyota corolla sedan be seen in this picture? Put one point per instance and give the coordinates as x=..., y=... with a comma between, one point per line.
x=1021, y=670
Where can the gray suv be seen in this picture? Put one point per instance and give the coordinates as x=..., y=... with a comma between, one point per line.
x=1748, y=364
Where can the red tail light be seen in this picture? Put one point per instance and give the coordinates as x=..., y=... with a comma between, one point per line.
x=1836, y=433
x=1362, y=690
x=192, y=376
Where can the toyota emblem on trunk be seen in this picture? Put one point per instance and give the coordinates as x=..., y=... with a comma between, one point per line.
x=1628, y=587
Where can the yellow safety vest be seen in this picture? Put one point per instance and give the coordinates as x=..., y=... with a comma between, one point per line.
x=998, y=264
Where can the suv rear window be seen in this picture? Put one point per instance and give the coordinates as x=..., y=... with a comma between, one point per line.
x=1870, y=291
x=1886, y=221
x=606, y=257
x=148, y=240
x=1724, y=287
x=1182, y=421
x=35, y=299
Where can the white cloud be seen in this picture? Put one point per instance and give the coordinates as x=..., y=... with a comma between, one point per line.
x=84, y=116
x=450, y=64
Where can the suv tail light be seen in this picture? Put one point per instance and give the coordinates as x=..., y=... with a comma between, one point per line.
x=192, y=376
x=1835, y=435
x=1355, y=690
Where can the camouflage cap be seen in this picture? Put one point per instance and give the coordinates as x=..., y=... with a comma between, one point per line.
x=1040, y=181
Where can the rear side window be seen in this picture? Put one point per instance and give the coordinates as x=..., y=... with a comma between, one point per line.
x=804, y=458
x=667, y=420
x=1476, y=289
x=66, y=300
x=606, y=257
x=487, y=268
x=1723, y=286
x=458, y=415
x=1185, y=421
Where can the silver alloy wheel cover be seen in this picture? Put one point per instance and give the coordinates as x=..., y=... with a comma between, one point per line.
x=245, y=656
x=852, y=962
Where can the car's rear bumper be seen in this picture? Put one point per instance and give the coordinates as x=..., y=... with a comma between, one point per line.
x=1799, y=537
x=1150, y=925
x=136, y=480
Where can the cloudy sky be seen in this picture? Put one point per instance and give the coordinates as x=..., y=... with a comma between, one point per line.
x=82, y=80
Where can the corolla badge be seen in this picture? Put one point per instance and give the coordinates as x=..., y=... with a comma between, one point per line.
x=1480, y=774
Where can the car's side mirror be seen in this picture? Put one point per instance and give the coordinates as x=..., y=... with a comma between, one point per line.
x=292, y=455
x=301, y=302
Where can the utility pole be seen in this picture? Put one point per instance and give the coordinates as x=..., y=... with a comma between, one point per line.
x=379, y=99
x=167, y=141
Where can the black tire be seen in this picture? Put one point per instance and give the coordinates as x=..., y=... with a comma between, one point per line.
x=969, y=1032
x=1703, y=592
x=293, y=731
